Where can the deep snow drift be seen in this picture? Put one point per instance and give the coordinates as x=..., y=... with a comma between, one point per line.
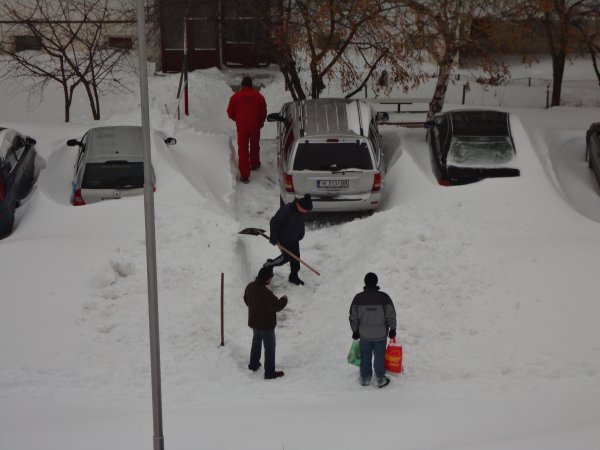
x=494, y=283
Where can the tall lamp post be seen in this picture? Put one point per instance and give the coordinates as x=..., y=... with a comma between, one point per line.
x=150, y=235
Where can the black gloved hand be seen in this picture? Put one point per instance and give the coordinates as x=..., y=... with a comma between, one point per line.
x=355, y=335
x=392, y=334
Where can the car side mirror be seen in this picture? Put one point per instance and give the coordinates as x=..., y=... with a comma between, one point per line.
x=30, y=141
x=382, y=117
x=429, y=124
x=274, y=117
x=73, y=143
x=170, y=141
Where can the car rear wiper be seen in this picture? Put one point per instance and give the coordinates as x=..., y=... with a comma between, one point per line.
x=347, y=170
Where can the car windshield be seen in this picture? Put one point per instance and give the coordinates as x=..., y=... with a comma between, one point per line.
x=480, y=151
x=115, y=175
x=333, y=156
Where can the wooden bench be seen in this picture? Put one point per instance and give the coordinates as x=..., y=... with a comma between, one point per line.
x=399, y=102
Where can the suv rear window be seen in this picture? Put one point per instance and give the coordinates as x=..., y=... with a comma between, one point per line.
x=113, y=175
x=333, y=156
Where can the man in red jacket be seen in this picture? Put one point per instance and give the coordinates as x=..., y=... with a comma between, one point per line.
x=248, y=109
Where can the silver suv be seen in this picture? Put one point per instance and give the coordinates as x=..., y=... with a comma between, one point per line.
x=331, y=149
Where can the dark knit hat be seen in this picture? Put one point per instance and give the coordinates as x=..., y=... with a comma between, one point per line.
x=305, y=202
x=247, y=81
x=371, y=279
x=265, y=274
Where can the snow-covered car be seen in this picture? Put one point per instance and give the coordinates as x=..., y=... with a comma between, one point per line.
x=17, y=174
x=592, y=149
x=469, y=145
x=109, y=165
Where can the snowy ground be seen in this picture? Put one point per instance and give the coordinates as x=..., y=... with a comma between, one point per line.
x=494, y=285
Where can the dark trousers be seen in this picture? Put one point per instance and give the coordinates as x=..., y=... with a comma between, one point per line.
x=260, y=338
x=284, y=258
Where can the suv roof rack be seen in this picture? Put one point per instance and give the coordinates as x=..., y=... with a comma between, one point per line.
x=302, y=116
x=360, y=125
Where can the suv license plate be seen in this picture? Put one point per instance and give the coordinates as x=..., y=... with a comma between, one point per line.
x=333, y=184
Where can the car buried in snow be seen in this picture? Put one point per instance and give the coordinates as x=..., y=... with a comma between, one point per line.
x=470, y=145
x=109, y=165
x=592, y=149
x=17, y=175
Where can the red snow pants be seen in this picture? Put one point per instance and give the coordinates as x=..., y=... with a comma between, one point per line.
x=248, y=157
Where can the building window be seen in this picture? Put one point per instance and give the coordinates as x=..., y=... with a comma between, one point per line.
x=204, y=33
x=123, y=43
x=23, y=43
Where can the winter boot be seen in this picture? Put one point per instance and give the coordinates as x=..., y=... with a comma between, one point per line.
x=365, y=381
x=293, y=278
x=382, y=382
x=276, y=374
x=254, y=369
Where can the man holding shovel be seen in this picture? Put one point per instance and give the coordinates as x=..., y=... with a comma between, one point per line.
x=287, y=230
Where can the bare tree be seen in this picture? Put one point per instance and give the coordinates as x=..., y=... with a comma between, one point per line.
x=356, y=41
x=590, y=33
x=444, y=27
x=562, y=22
x=72, y=35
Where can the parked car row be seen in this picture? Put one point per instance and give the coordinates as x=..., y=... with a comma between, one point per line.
x=109, y=165
x=332, y=149
x=329, y=148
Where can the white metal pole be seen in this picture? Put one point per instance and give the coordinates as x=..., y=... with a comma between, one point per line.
x=150, y=235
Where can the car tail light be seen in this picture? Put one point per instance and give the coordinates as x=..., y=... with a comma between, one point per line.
x=1, y=189
x=376, y=182
x=288, y=183
x=444, y=182
x=77, y=198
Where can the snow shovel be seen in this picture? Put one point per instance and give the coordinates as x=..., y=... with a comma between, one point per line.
x=259, y=232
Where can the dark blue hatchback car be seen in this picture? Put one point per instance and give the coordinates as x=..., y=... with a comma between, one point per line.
x=470, y=145
x=17, y=174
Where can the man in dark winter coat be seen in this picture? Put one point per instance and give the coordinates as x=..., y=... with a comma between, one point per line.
x=372, y=319
x=287, y=229
x=248, y=109
x=263, y=307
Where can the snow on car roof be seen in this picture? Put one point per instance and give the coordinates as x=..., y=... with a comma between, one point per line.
x=115, y=143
